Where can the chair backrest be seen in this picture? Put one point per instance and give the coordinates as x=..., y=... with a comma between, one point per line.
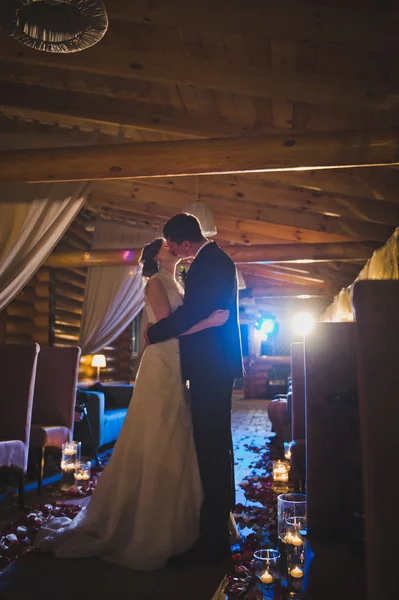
x=17, y=375
x=55, y=389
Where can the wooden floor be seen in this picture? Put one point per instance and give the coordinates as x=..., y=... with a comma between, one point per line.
x=43, y=577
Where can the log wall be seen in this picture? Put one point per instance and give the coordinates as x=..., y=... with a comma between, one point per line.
x=18, y=316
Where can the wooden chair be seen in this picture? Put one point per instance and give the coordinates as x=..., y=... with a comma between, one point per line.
x=54, y=400
x=17, y=374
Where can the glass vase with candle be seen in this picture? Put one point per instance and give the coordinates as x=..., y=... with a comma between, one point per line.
x=82, y=475
x=289, y=506
x=296, y=530
x=70, y=457
x=266, y=567
x=296, y=569
x=280, y=472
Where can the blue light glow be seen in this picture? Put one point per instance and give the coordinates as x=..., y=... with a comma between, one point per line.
x=267, y=326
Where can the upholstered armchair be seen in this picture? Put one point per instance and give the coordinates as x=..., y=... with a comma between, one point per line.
x=17, y=374
x=54, y=400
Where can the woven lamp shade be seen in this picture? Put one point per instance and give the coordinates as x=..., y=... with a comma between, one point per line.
x=57, y=26
x=204, y=216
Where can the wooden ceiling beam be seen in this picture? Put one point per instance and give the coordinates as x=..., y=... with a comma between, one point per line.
x=158, y=215
x=201, y=157
x=260, y=190
x=231, y=218
x=284, y=291
x=177, y=68
x=271, y=205
x=267, y=253
x=339, y=182
x=267, y=272
x=278, y=18
x=80, y=108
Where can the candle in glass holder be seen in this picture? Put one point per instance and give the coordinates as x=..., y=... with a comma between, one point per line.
x=266, y=566
x=295, y=531
x=69, y=450
x=290, y=506
x=67, y=466
x=296, y=572
x=266, y=577
x=280, y=472
x=70, y=453
x=70, y=457
x=294, y=539
x=82, y=474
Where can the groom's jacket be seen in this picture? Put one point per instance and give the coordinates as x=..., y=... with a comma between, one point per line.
x=211, y=284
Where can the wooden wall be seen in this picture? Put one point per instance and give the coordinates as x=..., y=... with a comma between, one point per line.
x=18, y=316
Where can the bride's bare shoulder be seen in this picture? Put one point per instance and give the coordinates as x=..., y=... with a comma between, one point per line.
x=154, y=286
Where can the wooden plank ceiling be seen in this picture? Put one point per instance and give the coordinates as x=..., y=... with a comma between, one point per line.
x=174, y=70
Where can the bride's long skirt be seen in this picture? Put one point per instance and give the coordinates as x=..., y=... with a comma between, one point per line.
x=147, y=504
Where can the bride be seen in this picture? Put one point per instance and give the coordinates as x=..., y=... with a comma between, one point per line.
x=146, y=507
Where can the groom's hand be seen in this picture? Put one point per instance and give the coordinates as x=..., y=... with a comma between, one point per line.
x=147, y=341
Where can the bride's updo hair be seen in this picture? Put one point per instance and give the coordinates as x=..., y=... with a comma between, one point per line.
x=148, y=261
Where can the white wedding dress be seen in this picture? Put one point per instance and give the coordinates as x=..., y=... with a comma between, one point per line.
x=147, y=504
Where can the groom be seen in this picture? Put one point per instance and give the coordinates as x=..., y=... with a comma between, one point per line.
x=211, y=360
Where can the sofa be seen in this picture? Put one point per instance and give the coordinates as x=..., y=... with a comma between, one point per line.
x=107, y=405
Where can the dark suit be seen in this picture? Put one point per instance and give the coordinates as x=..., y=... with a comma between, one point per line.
x=211, y=360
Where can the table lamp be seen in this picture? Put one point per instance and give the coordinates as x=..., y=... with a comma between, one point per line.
x=98, y=361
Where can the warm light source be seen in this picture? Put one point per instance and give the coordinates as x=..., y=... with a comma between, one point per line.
x=98, y=361
x=303, y=323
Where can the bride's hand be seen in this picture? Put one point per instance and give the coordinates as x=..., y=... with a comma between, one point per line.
x=218, y=318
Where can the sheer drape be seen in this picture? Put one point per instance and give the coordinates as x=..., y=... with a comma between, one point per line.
x=33, y=218
x=114, y=295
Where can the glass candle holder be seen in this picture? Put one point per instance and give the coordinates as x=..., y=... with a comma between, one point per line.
x=296, y=530
x=266, y=567
x=281, y=471
x=289, y=506
x=82, y=474
x=287, y=450
x=70, y=454
x=295, y=569
x=70, y=457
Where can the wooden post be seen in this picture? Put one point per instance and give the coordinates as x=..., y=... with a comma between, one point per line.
x=377, y=329
x=203, y=157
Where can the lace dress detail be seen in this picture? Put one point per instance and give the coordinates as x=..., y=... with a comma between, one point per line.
x=147, y=504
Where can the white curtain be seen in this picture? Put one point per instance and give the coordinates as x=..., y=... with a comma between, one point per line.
x=114, y=295
x=33, y=218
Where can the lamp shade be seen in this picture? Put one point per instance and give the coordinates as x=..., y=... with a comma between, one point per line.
x=57, y=26
x=98, y=360
x=204, y=216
